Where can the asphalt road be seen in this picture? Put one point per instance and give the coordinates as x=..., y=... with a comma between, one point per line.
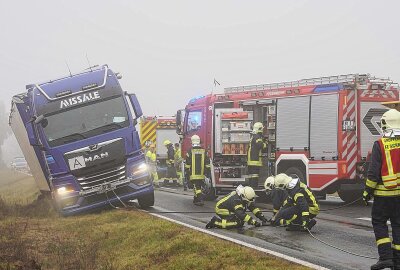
x=347, y=228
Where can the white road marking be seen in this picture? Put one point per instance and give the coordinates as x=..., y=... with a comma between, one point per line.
x=274, y=253
x=369, y=219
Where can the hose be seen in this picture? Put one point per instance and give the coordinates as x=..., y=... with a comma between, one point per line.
x=342, y=206
x=338, y=248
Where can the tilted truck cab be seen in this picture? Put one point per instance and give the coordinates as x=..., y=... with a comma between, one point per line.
x=79, y=138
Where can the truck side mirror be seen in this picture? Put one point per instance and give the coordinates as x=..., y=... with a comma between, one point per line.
x=136, y=105
x=31, y=134
x=178, y=122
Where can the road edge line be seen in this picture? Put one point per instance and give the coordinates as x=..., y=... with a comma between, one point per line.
x=239, y=242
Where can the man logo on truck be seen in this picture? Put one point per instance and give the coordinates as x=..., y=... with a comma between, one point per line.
x=80, y=161
x=79, y=99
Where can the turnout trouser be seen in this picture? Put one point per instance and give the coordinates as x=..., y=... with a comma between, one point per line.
x=291, y=215
x=253, y=173
x=384, y=209
x=227, y=219
x=171, y=172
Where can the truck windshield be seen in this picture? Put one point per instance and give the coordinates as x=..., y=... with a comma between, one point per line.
x=86, y=121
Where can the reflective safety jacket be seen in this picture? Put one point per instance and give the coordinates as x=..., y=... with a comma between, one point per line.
x=197, y=164
x=256, y=147
x=151, y=157
x=170, y=155
x=232, y=204
x=302, y=197
x=384, y=169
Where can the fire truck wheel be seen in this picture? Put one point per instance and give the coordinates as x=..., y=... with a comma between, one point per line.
x=296, y=171
x=350, y=195
x=146, y=201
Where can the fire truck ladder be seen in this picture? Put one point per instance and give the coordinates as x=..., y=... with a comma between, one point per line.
x=344, y=79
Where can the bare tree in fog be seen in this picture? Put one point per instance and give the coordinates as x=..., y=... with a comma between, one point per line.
x=5, y=129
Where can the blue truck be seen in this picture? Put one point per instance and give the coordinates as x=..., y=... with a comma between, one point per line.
x=78, y=135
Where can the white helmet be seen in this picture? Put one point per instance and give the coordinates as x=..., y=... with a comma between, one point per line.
x=195, y=140
x=282, y=181
x=390, y=122
x=258, y=127
x=248, y=194
x=269, y=183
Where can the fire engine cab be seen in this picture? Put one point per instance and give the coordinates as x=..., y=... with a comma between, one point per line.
x=320, y=129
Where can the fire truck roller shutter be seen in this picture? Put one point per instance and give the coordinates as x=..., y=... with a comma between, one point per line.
x=292, y=123
x=324, y=127
x=161, y=136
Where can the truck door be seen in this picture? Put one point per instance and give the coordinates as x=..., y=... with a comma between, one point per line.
x=195, y=125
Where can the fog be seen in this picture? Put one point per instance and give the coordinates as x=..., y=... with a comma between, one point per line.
x=170, y=51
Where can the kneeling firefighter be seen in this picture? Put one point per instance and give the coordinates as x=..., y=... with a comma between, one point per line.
x=278, y=196
x=231, y=210
x=197, y=168
x=383, y=183
x=299, y=209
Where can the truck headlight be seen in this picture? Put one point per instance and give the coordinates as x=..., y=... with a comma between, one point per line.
x=61, y=191
x=140, y=169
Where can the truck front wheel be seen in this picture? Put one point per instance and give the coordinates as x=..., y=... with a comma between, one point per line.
x=146, y=201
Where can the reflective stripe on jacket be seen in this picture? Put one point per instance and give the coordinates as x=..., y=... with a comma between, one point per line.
x=256, y=147
x=197, y=164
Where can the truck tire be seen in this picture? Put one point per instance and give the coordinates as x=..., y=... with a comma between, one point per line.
x=349, y=196
x=208, y=191
x=146, y=201
x=298, y=172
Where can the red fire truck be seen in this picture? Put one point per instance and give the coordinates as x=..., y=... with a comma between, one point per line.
x=320, y=129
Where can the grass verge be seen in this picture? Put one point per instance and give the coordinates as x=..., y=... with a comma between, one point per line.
x=33, y=237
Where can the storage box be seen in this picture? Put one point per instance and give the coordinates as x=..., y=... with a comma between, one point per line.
x=238, y=126
x=240, y=137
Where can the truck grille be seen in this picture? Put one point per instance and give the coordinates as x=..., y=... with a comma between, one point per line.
x=106, y=176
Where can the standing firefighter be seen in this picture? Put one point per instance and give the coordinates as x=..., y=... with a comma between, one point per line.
x=171, y=171
x=383, y=184
x=151, y=158
x=254, y=158
x=231, y=210
x=299, y=209
x=178, y=164
x=197, y=168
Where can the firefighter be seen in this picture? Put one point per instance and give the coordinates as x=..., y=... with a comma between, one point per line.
x=151, y=159
x=300, y=207
x=178, y=164
x=171, y=171
x=231, y=210
x=278, y=196
x=383, y=184
x=257, y=145
x=197, y=167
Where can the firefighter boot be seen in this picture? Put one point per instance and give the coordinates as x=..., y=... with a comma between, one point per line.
x=382, y=264
x=211, y=224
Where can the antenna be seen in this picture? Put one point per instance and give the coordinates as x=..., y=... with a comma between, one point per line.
x=90, y=67
x=68, y=68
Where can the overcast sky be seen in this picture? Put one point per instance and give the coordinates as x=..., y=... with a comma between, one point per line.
x=170, y=51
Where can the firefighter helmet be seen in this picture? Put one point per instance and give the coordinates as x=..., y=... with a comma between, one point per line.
x=269, y=183
x=390, y=121
x=282, y=181
x=195, y=140
x=167, y=142
x=248, y=194
x=258, y=127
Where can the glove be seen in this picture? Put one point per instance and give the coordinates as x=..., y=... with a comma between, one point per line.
x=366, y=197
x=305, y=223
x=256, y=223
